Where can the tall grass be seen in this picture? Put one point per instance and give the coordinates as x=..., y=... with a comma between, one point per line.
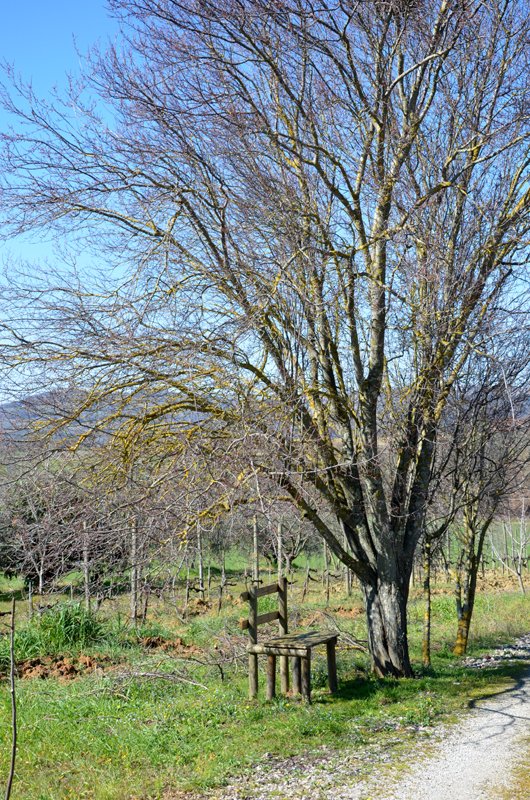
x=65, y=627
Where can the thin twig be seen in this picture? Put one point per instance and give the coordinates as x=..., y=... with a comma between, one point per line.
x=167, y=676
x=13, y=702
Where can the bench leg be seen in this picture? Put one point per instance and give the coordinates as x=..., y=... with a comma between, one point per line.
x=297, y=680
x=306, y=677
x=271, y=677
x=252, y=676
x=284, y=673
x=332, y=667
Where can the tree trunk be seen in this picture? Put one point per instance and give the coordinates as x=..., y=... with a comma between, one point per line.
x=86, y=567
x=200, y=559
x=466, y=589
x=255, y=552
x=386, y=613
x=135, y=573
x=426, y=640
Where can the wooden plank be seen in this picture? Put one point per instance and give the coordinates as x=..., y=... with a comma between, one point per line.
x=270, y=616
x=301, y=640
x=332, y=667
x=265, y=649
x=271, y=677
x=260, y=619
x=297, y=680
x=306, y=677
x=260, y=591
x=282, y=619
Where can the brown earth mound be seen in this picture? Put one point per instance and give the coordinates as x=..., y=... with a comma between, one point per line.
x=63, y=667
x=176, y=646
x=348, y=613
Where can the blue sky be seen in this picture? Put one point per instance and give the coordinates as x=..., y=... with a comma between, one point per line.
x=41, y=39
x=38, y=36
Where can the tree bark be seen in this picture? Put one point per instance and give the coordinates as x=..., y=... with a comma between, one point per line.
x=135, y=572
x=386, y=614
x=466, y=589
x=86, y=567
x=426, y=639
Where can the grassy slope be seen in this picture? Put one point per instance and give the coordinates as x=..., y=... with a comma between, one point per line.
x=111, y=738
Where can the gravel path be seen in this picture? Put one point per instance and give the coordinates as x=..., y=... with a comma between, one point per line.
x=475, y=761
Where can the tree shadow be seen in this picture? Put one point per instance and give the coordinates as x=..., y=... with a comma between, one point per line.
x=520, y=691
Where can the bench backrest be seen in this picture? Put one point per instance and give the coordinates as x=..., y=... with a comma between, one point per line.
x=254, y=619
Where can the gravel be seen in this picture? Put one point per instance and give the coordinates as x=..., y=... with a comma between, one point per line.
x=469, y=761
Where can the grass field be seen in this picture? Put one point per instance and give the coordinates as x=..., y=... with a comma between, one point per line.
x=116, y=732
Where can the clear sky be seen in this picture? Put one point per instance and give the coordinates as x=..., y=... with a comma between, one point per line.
x=40, y=36
x=41, y=39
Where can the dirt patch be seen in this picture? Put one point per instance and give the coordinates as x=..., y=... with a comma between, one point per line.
x=348, y=613
x=322, y=619
x=197, y=607
x=62, y=667
x=176, y=646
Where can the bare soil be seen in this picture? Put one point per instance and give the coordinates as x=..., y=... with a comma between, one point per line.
x=63, y=667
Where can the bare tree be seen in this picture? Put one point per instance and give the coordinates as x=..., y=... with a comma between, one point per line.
x=320, y=208
x=518, y=537
x=483, y=447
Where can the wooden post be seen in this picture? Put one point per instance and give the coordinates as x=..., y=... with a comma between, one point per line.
x=255, y=565
x=30, y=600
x=306, y=677
x=326, y=573
x=279, y=554
x=297, y=680
x=253, y=636
x=86, y=567
x=200, y=560
x=332, y=666
x=271, y=677
x=282, y=608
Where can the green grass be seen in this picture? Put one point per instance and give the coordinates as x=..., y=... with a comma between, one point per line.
x=65, y=628
x=115, y=736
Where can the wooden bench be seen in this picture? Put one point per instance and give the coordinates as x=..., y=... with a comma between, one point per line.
x=294, y=646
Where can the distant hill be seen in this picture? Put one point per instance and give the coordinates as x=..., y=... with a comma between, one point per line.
x=20, y=419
